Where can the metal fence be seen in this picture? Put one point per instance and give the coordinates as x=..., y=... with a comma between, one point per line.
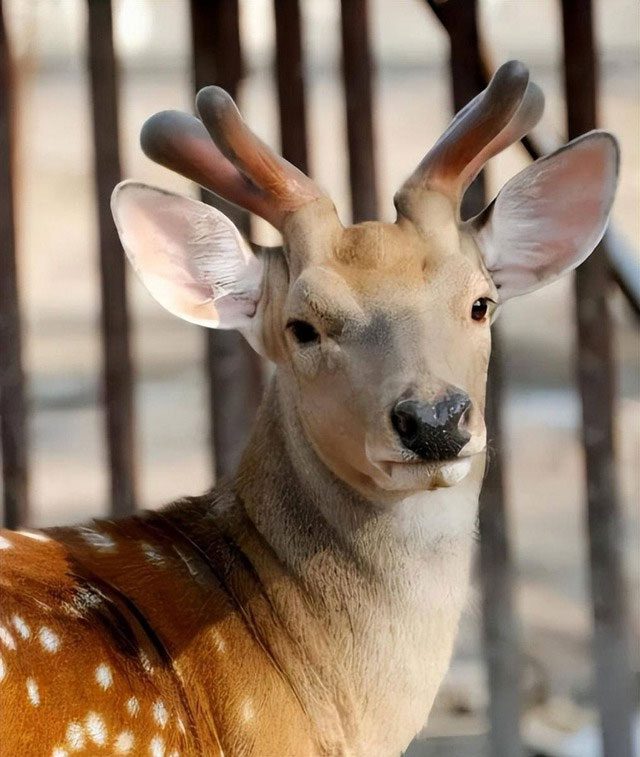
x=234, y=372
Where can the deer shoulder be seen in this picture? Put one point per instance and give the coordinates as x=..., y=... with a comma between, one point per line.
x=140, y=637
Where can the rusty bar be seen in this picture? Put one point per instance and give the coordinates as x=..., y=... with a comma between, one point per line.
x=499, y=623
x=117, y=365
x=500, y=632
x=13, y=410
x=290, y=78
x=233, y=369
x=357, y=76
x=459, y=19
x=596, y=381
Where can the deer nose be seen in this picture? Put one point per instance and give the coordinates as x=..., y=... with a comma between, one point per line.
x=432, y=429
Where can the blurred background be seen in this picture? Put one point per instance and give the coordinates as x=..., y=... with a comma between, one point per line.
x=57, y=241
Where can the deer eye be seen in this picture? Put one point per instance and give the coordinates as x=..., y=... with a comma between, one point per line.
x=303, y=332
x=479, y=308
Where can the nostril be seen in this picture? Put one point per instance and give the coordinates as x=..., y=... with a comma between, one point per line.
x=458, y=406
x=405, y=420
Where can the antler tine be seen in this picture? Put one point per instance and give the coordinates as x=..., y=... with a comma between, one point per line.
x=271, y=189
x=502, y=114
x=179, y=142
x=286, y=186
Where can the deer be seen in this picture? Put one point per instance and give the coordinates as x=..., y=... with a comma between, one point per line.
x=308, y=604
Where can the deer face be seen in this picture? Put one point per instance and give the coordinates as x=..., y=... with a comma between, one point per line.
x=380, y=331
x=383, y=353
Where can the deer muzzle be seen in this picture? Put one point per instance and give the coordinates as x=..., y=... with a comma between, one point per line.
x=434, y=431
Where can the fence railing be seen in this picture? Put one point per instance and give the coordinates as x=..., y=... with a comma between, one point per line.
x=235, y=374
x=13, y=427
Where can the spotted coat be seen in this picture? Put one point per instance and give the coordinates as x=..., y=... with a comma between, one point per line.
x=138, y=637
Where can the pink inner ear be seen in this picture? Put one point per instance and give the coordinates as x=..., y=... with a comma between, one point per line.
x=190, y=256
x=574, y=202
x=549, y=217
x=152, y=239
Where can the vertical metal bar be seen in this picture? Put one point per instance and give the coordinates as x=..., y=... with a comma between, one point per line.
x=290, y=78
x=500, y=633
x=499, y=624
x=118, y=371
x=597, y=385
x=357, y=75
x=233, y=368
x=13, y=422
x=460, y=19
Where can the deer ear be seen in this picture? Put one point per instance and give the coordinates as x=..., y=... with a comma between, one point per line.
x=191, y=258
x=548, y=218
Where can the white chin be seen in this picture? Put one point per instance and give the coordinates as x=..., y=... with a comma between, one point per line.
x=422, y=476
x=452, y=473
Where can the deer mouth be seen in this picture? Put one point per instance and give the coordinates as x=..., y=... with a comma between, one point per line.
x=422, y=474
x=396, y=469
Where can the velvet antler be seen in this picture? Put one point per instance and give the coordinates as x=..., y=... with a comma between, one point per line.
x=236, y=165
x=502, y=114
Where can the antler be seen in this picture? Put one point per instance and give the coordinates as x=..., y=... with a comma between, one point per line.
x=500, y=115
x=236, y=165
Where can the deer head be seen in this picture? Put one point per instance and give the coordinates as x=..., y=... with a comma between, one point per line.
x=380, y=332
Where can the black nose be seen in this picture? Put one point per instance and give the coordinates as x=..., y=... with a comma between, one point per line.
x=432, y=430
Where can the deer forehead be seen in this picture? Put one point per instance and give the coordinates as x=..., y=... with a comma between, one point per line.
x=384, y=266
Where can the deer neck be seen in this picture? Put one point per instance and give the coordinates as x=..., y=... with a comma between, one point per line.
x=379, y=587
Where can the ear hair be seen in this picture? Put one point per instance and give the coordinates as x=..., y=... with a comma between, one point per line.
x=190, y=257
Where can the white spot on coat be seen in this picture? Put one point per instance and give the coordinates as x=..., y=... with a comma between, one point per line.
x=75, y=736
x=34, y=535
x=104, y=677
x=96, y=729
x=133, y=706
x=3, y=669
x=84, y=600
x=49, y=640
x=124, y=742
x=145, y=661
x=188, y=560
x=152, y=554
x=6, y=638
x=5, y=543
x=58, y=751
x=156, y=747
x=21, y=627
x=218, y=641
x=248, y=710
x=33, y=692
x=160, y=713
x=97, y=539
